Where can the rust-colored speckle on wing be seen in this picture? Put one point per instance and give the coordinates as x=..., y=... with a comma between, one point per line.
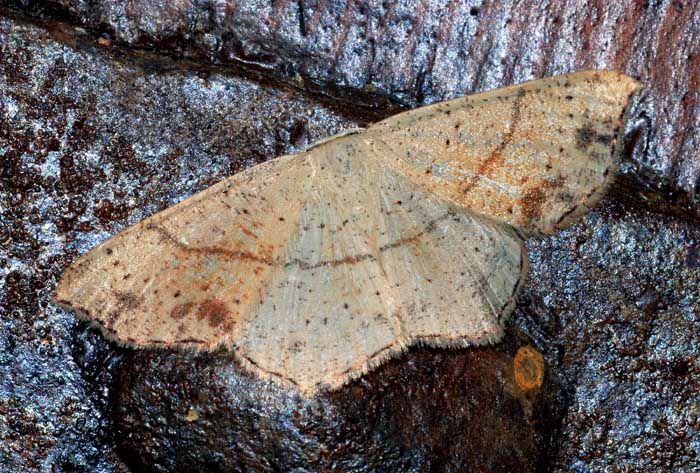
x=182, y=310
x=215, y=313
x=534, y=200
x=497, y=157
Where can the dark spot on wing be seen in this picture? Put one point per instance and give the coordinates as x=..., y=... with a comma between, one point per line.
x=604, y=139
x=127, y=300
x=585, y=136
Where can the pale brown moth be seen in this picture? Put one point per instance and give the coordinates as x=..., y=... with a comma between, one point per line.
x=315, y=267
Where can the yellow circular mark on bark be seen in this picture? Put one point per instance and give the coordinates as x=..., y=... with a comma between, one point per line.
x=528, y=367
x=192, y=416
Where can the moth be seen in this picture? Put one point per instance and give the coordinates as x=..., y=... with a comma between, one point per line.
x=315, y=267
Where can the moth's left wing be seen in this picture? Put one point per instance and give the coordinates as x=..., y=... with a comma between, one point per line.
x=189, y=275
x=377, y=264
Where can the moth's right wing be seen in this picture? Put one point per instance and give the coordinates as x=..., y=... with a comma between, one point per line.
x=535, y=155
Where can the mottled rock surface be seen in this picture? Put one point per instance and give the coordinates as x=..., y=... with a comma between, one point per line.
x=94, y=137
x=614, y=304
x=422, y=52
